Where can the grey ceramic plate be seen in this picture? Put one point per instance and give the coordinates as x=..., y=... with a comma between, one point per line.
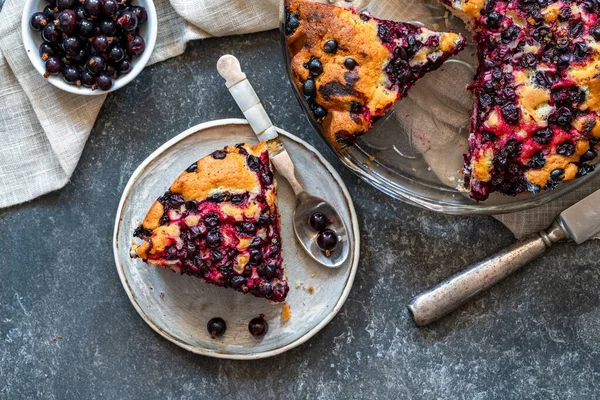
x=179, y=306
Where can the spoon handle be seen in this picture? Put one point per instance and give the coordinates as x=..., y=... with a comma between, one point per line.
x=248, y=101
x=246, y=98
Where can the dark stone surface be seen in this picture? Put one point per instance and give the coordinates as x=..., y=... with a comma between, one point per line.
x=535, y=336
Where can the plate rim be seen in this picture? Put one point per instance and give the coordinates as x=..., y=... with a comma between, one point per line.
x=216, y=354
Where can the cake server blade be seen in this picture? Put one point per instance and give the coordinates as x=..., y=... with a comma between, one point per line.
x=580, y=222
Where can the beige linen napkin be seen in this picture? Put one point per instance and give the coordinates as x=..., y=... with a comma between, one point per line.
x=43, y=130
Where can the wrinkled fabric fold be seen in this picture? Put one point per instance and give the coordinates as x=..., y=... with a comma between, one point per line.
x=43, y=130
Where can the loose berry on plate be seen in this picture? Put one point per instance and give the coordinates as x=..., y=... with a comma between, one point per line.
x=258, y=326
x=216, y=327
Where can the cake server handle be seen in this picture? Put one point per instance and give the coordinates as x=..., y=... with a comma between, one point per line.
x=450, y=294
x=247, y=100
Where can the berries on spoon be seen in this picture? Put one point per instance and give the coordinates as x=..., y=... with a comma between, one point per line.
x=258, y=326
x=216, y=327
x=318, y=221
x=327, y=241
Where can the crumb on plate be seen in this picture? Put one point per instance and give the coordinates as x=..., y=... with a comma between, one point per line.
x=286, y=312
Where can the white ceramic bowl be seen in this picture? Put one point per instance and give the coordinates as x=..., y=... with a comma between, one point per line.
x=32, y=41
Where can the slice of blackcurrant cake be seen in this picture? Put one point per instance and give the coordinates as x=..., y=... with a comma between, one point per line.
x=351, y=68
x=536, y=118
x=219, y=222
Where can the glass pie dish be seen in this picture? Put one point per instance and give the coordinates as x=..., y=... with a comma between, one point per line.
x=415, y=153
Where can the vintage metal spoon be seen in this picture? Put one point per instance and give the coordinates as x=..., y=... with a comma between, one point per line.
x=306, y=205
x=579, y=223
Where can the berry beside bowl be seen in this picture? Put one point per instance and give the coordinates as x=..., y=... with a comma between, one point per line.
x=89, y=47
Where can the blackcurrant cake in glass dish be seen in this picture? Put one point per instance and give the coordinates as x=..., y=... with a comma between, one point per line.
x=536, y=117
x=219, y=222
x=351, y=67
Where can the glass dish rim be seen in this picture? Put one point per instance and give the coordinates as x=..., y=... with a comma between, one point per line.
x=408, y=196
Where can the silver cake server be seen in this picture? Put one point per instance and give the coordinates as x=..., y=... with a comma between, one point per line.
x=306, y=205
x=579, y=223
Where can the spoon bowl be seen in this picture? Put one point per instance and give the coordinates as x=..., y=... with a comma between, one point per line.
x=306, y=206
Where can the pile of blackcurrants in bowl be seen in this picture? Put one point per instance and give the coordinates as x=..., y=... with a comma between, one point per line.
x=90, y=42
